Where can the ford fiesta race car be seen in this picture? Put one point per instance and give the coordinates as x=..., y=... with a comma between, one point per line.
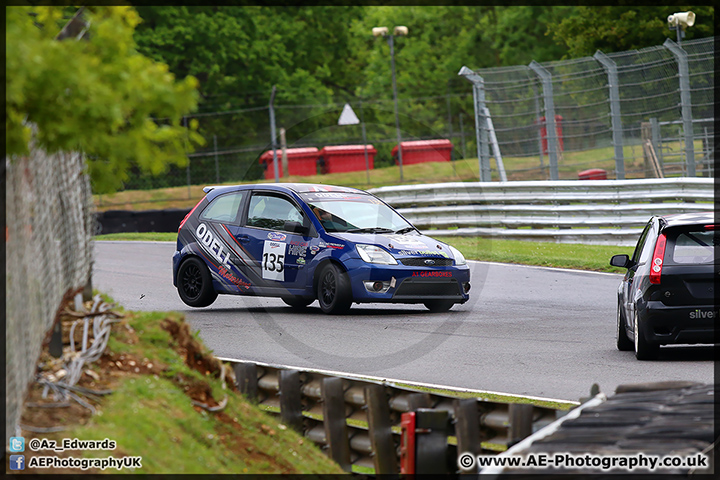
x=302, y=242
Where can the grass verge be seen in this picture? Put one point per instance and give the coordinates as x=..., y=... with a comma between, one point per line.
x=163, y=381
x=525, y=252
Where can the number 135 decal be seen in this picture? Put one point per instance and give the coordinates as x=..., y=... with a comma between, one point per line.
x=273, y=260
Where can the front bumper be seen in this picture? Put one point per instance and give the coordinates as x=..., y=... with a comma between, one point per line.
x=664, y=325
x=411, y=284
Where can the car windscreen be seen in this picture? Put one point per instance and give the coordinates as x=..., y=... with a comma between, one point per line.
x=690, y=246
x=353, y=212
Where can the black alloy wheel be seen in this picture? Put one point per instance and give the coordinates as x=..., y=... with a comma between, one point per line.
x=333, y=290
x=195, y=283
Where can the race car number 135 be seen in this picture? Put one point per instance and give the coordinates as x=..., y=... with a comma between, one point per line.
x=273, y=258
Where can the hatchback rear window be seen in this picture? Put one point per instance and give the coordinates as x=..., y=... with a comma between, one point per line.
x=694, y=247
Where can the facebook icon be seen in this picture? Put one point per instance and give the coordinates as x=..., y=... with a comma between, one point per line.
x=17, y=462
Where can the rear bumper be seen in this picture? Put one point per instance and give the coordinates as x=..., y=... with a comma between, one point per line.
x=663, y=325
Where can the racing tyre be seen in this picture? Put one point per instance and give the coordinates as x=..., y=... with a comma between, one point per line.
x=621, y=339
x=297, y=301
x=437, y=306
x=195, y=284
x=643, y=349
x=333, y=290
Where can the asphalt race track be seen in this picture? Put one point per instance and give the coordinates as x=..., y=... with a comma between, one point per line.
x=526, y=330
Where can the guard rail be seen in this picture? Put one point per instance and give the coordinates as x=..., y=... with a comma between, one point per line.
x=584, y=211
x=357, y=419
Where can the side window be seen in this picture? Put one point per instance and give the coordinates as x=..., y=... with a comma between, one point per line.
x=268, y=211
x=648, y=245
x=224, y=208
x=641, y=243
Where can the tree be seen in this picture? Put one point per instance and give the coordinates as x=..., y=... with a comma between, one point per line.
x=617, y=28
x=97, y=95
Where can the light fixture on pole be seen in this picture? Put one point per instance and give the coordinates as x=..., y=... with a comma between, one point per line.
x=384, y=32
x=679, y=22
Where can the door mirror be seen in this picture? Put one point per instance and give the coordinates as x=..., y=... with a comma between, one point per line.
x=295, y=227
x=622, y=261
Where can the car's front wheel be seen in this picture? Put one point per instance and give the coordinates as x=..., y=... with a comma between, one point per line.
x=643, y=349
x=437, y=306
x=333, y=290
x=195, y=284
x=621, y=339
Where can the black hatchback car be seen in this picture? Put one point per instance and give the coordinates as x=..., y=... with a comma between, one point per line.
x=668, y=293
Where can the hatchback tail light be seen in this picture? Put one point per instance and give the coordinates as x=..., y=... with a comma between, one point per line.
x=189, y=213
x=657, y=260
x=711, y=227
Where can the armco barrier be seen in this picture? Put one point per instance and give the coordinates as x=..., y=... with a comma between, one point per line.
x=358, y=420
x=573, y=211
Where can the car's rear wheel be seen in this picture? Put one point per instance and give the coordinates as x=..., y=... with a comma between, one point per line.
x=621, y=339
x=437, y=306
x=643, y=349
x=195, y=284
x=297, y=301
x=333, y=290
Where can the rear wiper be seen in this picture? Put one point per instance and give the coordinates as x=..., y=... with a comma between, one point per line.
x=405, y=230
x=369, y=230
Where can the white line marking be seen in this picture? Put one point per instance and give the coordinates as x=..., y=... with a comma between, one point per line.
x=555, y=269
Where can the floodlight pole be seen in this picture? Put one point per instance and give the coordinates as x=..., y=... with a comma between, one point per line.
x=391, y=42
x=272, y=133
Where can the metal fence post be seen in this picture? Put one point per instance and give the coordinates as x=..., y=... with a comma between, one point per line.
x=685, y=104
x=617, y=133
x=217, y=165
x=481, y=130
x=550, y=127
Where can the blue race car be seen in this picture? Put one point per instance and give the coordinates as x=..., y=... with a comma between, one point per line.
x=302, y=242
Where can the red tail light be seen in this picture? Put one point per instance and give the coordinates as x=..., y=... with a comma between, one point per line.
x=657, y=260
x=711, y=227
x=189, y=213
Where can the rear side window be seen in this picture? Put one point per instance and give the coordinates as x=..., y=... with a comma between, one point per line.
x=224, y=208
x=694, y=247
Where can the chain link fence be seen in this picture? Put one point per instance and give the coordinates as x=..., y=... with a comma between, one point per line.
x=49, y=227
x=605, y=108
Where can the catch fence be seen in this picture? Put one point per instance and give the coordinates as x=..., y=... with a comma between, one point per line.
x=551, y=121
x=49, y=226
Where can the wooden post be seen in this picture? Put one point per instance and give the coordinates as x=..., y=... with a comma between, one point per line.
x=521, y=418
x=247, y=380
x=290, y=403
x=334, y=421
x=431, y=449
x=467, y=428
x=380, y=430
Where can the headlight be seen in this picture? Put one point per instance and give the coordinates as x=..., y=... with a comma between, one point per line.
x=373, y=254
x=459, y=258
